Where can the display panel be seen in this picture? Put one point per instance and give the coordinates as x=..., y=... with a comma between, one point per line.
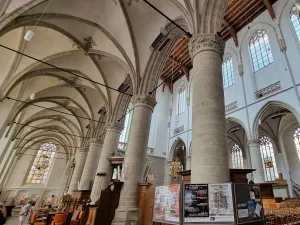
x=166, y=204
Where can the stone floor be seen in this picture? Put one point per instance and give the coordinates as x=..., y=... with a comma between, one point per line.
x=13, y=221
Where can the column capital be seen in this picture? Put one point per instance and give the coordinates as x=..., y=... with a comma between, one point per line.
x=206, y=42
x=83, y=149
x=253, y=143
x=96, y=141
x=145, y=100
x=115, y=126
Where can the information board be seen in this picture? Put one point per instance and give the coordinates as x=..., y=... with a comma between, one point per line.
x=166, y=204
x=248, y=203
x=195, y=202
x=208, y=203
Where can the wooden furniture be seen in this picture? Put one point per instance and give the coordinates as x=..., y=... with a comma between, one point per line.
x=239, y=176
x=59, y=219
x=145, y=200
x=9, y=209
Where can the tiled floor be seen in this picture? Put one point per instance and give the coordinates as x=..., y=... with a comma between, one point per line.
x=13, y=221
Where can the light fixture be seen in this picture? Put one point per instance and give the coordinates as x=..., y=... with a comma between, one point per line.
x=29, y=35
x=175, y=168
x=32, y=96
x=259, y=121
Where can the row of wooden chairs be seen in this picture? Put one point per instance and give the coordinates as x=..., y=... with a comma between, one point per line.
x=60, y=219
x=282, y=216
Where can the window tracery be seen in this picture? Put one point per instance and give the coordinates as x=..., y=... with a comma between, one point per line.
x=42, y=164
x=125, y=133
x=181, y=100
x=237, y=157
x=295, y=20
x=260, y=50
x=227, y=71
x=268, y=158
x=297, y=141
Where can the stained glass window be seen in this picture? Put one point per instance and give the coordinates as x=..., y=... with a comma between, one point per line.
x=294, y=17
x=41, y=164
x=125, y=133
x=268, y=158
x=297, y=141
x=260, y=50
x=181, y=100
x=237, y=157
x=227, y=71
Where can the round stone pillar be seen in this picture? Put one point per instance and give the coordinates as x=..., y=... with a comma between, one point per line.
x=188, y=163
x=209, y=158
x=79, y=165
x=91, y=164
x=104, y=168
x=135, y=160
x=256, y=161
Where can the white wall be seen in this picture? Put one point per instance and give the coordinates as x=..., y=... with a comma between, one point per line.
x=247, y=111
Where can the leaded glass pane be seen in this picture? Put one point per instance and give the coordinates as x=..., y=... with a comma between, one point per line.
x=181, y=100
x=227, y=71
x=237, y=157
x=297, y=141
x=268, y=158
x=125, y=133
x=41, y=164
x=295, y=20
x=260, y=50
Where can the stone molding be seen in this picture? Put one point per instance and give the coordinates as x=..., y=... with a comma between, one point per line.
x=206, y=42
x=83, y=149
x=96, y=141
x=231, y=106
x=117, y=127
x=253, y=143
x=268, y=90
x=145, y=100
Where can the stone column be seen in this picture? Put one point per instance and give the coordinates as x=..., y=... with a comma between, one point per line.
x=256, y=160
x=135, y=160
x=79, y=164
x=167, y=178
x=91, y=164
x=188, y=163
x=210, y=160
x=104, y=168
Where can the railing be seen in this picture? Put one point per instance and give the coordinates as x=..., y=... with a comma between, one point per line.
x=296, y=188
x=123, y=146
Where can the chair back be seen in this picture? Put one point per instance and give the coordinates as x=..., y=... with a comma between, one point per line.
x=60, y=219
x=40, y=223
x=74, y=222
x=32, y=218
x=80, y=215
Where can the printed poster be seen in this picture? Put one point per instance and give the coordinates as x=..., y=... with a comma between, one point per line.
x=166, y=203
x=196, y=204
x=221, y=203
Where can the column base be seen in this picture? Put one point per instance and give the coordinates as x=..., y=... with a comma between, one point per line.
x=126, y=217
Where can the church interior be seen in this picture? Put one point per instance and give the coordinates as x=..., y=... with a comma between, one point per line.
x=149, y=112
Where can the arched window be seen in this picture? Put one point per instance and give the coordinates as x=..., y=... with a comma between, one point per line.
x=268, y=158
x=125, y=133
x=181, y=100
x=260, y=50
x=294, y=17
x=237, y=157
x=297, y=141
x=227, y=71
x=42, y=164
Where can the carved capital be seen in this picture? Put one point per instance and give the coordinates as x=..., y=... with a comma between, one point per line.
x=206, y=42
x=83, y=149
x=143, y=100
x=254, y=143
x=96, y=141
x=117, y=127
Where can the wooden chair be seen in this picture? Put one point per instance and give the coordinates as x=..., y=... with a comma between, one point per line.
x=76, y=221
x=40, y=223
x=32, y=218
x=59, y=219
